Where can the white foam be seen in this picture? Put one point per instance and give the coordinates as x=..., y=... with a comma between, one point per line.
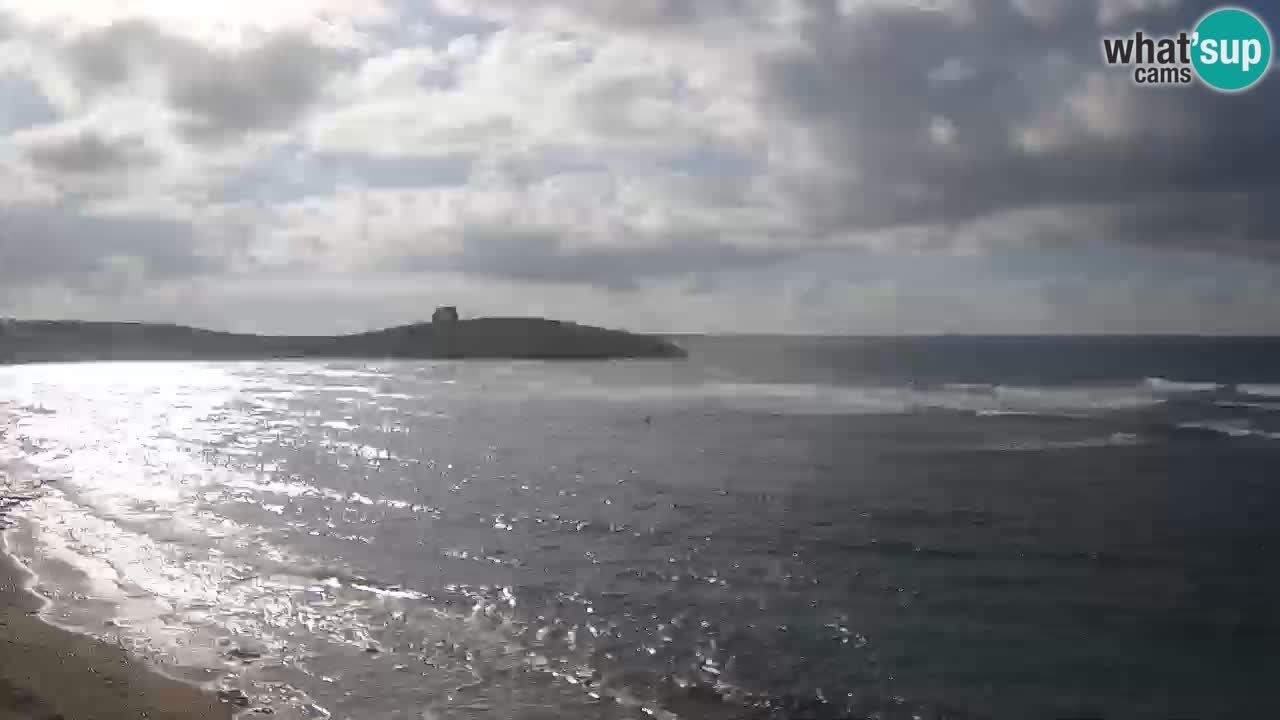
x=1232, y=428
x=391, y=592
x=313, y=371
x=970, y=387
x=821, y=399
x=1074, y=399
x=358, y=389
x=1260, y=390
x=1164, y=385
x=1118, y=439
x=989, y=400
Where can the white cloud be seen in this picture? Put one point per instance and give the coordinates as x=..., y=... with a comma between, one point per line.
x=20, y=185
x=1102, y=107
x=607, y=147
x=519, y=90
x=230, y=22
x=942, y=131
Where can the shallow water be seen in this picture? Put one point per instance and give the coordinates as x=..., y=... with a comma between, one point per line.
x=775, y=528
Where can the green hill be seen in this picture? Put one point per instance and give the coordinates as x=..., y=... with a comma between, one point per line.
x=522, y=338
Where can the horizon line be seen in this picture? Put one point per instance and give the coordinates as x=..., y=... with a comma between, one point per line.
x=701, y=334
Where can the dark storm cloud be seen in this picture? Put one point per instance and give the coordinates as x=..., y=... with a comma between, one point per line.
x=221, y=94
x=1244, y=223
x=88, y=152
x=924, y=123
x=53, y=244
x=871, y=90
x=1026, y=113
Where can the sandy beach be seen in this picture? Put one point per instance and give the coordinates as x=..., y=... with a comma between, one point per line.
x=47, y=672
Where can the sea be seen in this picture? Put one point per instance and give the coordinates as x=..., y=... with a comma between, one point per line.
x=773, y=528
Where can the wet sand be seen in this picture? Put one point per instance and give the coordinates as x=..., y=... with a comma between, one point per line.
x=47, y=672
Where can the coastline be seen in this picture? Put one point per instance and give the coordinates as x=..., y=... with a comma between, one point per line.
x=48, y=673
x=25, y=341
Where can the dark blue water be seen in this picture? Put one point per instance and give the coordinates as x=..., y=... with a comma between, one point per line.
x=775, y=528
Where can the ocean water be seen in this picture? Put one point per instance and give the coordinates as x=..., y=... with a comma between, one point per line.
x=774, y=528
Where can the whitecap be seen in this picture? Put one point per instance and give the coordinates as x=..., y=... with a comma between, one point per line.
x=1272, y=391
x=1236, y=428
x=1118, y=439
x=1165, y=385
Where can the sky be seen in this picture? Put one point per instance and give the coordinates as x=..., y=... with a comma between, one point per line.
x=809, y=166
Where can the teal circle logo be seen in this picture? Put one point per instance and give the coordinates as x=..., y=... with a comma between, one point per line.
x=1231, y=49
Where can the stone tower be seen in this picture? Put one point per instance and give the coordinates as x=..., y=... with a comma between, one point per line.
x=444, y=314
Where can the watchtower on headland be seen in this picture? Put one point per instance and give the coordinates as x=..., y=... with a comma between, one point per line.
x=444, y=315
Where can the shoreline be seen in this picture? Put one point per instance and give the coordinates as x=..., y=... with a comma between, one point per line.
x=50, y=673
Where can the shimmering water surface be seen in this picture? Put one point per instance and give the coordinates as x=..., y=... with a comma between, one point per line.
x=789, y=528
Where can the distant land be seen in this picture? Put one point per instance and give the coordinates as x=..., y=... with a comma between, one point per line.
x=26, y=341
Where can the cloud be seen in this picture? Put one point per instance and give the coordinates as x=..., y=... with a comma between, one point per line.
x=541, y=258
x=858, y=118
x=85, y=151
x=268, y=87
x=40, y=244
x=663, y=15
x=617, y=147
x=231, y=21
x=218, y=93
x=1034, y=119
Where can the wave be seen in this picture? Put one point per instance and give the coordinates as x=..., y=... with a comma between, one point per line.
x=331, y=372
x=970, y=387
x=1119, y=439
x=820, y=399
x=358, y=389
x=1164, y=385
x=1237, y=405
x=983, y=399
x=1080, y=399
x=1270, y=391
x=1231, y=428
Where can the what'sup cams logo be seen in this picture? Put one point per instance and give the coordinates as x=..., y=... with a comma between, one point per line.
x=1229, y=50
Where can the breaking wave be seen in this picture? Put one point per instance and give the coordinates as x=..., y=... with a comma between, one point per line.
x=1236, y=428
x=1269, y=391
x=820, y=399
x=1164, y=385
x=1119, y=439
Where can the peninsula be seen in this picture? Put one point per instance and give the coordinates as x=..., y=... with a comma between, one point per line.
x=446, y=337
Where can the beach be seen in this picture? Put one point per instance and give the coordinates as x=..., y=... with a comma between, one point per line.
x=47, y=672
